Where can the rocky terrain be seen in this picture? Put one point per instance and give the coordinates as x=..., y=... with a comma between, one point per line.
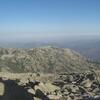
x=44, y=59
x=47, y=73
x=66, y=86
x=79, y=86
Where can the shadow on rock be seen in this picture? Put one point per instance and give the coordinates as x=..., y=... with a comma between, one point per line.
x=41, y=95
x=12, y=91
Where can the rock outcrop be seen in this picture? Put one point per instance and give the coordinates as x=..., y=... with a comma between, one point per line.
x=66, y=86
x=78, y=86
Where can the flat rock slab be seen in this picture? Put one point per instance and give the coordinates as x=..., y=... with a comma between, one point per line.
x=1, y=89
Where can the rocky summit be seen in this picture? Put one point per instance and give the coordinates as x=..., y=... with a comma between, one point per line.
x=78, y=86
x=45, y=59
x=66, y=86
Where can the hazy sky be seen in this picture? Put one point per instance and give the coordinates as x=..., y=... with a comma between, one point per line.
x=48, y=18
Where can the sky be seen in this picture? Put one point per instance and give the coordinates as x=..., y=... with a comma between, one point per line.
x=36, y=19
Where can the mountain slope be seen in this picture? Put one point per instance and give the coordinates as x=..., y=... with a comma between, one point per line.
x=44, y=59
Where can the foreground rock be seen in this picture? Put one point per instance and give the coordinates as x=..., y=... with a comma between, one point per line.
x=72, y=86
x=78, y=86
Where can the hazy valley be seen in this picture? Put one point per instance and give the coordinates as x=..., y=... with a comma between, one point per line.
x=86, y=45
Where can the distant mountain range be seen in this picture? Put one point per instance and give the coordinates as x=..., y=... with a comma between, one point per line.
x=43, y=59
x=87, y=46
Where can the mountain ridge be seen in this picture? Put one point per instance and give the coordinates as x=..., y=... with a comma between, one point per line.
x=43, y=59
